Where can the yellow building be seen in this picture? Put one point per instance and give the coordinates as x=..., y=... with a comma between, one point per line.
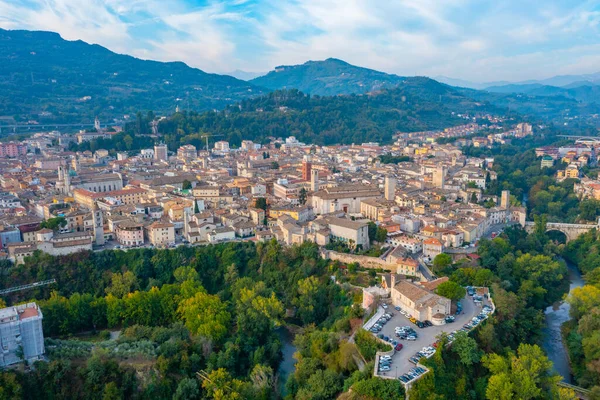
x=161, y=233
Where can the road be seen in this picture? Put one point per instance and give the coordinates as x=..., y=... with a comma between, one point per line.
x=427, y=336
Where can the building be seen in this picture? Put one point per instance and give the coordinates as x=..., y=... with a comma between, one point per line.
x=432, y=247
x=390, y=188
x=439, y=177
x=547, y=161
x=353, y=233
x=314, y=180
x=306, y=169
x=130, y=233
x=161, y=152
x=222, y=146
x=345, y=198
x=221, y=234
x=420, y=303
x=21, y=335
x=161, y=233
x=505, y=199
x=187, y=152
x=12, y=150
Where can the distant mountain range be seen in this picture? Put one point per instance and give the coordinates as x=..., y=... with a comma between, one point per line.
x=48, y=79
x=245, y=75
x=45, y=77
x=567, y=81
x=330, y=77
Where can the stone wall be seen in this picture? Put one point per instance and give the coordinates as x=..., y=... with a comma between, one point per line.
x=364, y=261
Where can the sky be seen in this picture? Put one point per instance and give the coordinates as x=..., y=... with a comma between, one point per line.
x=475, y=40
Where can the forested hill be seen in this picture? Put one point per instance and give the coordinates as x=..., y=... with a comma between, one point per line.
x=327, y=78
x=418, y=104
x=42, y=73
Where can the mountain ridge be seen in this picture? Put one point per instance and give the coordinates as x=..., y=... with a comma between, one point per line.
x=329, y=77
x=61, y=79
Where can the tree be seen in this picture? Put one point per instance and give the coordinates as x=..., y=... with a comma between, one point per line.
x=451, y=290
x=302, y=196
x=274, y=165
x=186, y=185
x=121, y=284
x=187, y=389
x=466, y=348
x=377, y=388
x=54, y=223
x=441, y=261
x=205, y=315
x=527, y=375
x=474, y=198
x=261, y=203
x=381, y=235
x=372, y=230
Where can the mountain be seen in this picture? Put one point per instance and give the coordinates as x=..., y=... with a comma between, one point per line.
x=416, y=104
x=73, y=81
x=327, y=78
x=497, y=86
x=514, y=88
x=245, y=75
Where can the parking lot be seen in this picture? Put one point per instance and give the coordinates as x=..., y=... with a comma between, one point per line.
x=400, y=361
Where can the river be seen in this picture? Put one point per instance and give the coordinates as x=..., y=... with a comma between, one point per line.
x=288, y=364
x=556, y=315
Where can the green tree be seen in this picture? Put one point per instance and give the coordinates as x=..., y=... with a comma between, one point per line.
x=527, y=375
x=54, y=223
x=187, y=389
x=205, y=315
x=441, y=262
x=377, y=388
x=381, y=235
x=274, y=165
x=121, y=284
x=466, y=348
x=451, y=290
x=186, y=185
x=302, y=196
x=261, y=203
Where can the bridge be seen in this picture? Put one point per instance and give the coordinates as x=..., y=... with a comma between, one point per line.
x=571, y=231
x=580, y=392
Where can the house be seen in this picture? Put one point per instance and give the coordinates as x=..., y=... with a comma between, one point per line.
x=420, y=303
x=161, y=233
x=432, y=247
x=354, y=233
x=221, y=234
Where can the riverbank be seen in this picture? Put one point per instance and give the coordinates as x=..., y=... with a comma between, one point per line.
x=557, y=315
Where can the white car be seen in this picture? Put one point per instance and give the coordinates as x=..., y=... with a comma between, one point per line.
x=384, y=368
x=383, y=358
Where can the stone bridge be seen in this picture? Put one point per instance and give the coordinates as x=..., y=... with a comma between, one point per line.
x=571, y=231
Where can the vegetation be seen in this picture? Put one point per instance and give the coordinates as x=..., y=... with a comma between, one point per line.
x=56, y=80
x=214, y=309
x=582, y=333
x=330, y=77
x=390, y=159
x=369, y=345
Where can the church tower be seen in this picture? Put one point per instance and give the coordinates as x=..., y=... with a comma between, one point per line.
x=98, y=223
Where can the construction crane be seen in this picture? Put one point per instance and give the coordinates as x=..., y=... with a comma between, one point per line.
x=206, y=137
x=27, y=286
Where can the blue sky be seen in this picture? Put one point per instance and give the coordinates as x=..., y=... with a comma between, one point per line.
x=477, y=40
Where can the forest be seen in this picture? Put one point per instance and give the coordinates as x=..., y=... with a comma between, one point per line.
x=204, y=323
x=216, y=311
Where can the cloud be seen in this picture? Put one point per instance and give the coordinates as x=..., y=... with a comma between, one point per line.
x=468, y=39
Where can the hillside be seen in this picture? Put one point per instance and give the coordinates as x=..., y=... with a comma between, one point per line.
x=417, y=104
x=327, y=78
x=73, y=81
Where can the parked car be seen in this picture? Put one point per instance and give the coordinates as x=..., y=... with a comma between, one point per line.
x=384, y=368
x=428, y=323
x=398, y=347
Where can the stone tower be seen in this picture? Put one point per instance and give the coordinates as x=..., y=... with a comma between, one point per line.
x=390, y=188
x=98, y=223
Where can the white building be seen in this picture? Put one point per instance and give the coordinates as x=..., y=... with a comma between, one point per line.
x=342, y=198
x=21, y=332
